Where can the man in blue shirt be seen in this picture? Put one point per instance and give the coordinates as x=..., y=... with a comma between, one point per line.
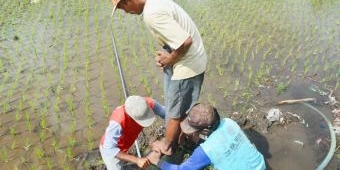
x=226, y=145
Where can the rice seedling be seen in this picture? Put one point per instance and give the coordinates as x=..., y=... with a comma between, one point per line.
x=6, y=107
x=106, y=106
x=43, y=122
x=18, y=116
x=68, y=154
x=281, y=87
x=293, y=68
x=268, y=69
x=236, y=84
x=49, y=163
x=1, y=65
x=33, y=167
x=71, y=142
x=55, y=145
x=42, y=135
x=220, y=69
x=27, y=144
x=306, y=69
x=70, y=105
x=56, y=104
x=12, y=131
x=66, y=166
x=90, y=145
x=88, y=111
x=234, y=102
x=90, y=122
x=28, y=121
x=39, y=153
x=73, y=126
x=65, y=56
x=4, y=155
x=23, y=161
x=62, y=80
x=14, y=145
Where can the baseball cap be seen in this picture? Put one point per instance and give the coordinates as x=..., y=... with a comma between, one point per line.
x=138, y=109
x=115, y=3
x=200, y=116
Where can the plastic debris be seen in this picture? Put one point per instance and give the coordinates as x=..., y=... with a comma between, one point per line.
x=299, y=142
x=294, y=115
x=332, y=100
x=317, y=90
x=336, y=121
x=336, y=112
x=274, y=115
x=318, y=141
x=282, y=120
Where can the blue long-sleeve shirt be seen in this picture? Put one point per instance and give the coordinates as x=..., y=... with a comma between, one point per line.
x=226, y=148
x=198, y=160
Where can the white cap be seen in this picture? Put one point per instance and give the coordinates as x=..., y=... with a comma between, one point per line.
x=138, y=109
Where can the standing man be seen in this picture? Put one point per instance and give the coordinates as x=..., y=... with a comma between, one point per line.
x=226, y=145
x=183, y=59
x=126, y=122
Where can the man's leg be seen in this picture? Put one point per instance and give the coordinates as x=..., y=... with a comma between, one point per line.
x=181, y=95
x=172, y=132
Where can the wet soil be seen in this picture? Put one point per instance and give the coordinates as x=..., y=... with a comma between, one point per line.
x=300, y=134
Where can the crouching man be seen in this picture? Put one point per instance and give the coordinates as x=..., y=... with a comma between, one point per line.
x=126, y=122
x=226, y=145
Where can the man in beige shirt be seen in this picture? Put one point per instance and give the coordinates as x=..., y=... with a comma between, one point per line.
x=183, y=57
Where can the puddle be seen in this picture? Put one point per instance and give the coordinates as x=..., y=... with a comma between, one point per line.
x=307, y=141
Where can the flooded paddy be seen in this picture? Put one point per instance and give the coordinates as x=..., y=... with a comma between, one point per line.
x=59, y=80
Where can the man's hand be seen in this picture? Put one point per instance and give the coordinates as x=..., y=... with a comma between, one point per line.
x=163, y=59
x=155, y=156
x=143, y=162
x=163, y=146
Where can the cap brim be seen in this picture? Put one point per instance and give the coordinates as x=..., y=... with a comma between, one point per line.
x=113, y=10
x=186, y=128
x=148, y=119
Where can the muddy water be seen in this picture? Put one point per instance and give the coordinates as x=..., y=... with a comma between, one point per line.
x=59, y=81
x=307, y=141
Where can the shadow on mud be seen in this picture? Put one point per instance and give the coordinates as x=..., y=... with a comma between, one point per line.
x=260, y=142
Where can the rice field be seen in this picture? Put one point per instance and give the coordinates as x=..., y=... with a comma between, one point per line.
x=59, y=80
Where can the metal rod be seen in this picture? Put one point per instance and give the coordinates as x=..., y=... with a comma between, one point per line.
x=121, y=74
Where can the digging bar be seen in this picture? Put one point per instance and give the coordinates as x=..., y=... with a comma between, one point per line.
x=121, y=74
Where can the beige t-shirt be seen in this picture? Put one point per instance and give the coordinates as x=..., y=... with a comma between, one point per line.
x=171, y=25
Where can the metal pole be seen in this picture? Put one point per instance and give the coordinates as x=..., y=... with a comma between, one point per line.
x=121, y=77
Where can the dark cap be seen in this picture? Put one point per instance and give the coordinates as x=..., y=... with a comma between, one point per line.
x=200, y=116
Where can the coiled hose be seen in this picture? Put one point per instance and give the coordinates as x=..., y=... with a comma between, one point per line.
x=331, y=151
